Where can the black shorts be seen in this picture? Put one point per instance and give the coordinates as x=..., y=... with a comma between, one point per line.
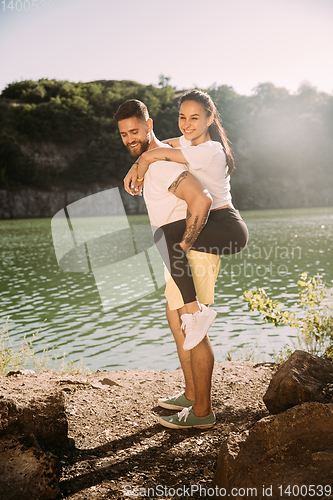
x=225, y=233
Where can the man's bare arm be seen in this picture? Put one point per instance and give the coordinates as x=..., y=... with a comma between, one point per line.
x=199, y=201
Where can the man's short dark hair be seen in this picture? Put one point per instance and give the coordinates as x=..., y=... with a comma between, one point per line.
x=131, y=108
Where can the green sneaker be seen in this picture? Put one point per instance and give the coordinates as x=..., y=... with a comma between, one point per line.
x=177, y=402
x=186, y=419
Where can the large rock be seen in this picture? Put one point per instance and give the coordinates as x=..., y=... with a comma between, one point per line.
x=288, y=450
x=27, y=474
x=31, y=425
x=302, y=378
x=43, y=417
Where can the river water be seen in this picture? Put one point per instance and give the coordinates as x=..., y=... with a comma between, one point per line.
x=67, y=310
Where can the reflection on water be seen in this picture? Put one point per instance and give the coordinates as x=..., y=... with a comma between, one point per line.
x=282, y=245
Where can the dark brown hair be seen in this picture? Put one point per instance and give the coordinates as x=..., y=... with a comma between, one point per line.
x=216, y=131
x=131, y=108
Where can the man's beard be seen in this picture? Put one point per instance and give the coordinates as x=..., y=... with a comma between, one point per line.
x=143, y=146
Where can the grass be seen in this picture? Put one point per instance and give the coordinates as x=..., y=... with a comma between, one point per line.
x=25, y=357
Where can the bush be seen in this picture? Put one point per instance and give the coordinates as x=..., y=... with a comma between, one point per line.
x=60, y=120
x=314, y=322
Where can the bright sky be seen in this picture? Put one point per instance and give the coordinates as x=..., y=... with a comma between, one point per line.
x=239, y=43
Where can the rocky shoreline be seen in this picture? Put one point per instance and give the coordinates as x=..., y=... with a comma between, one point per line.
x=96, y=436
x=37, y=203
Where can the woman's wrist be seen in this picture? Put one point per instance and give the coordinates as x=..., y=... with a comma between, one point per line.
x=142, y=167
x=141, y=157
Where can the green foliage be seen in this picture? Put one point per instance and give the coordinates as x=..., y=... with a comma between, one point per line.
x=15, y=168
x=277, y=137
x=103, y=159
x=269, y=308
x=74, y=113
x=314, y=322
x=24, y=356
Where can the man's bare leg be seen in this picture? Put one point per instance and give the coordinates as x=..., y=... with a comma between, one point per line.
x=184, y=356
x=202, y=364
x=197, y=366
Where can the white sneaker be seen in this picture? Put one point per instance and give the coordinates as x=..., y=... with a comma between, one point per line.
x=196, y=326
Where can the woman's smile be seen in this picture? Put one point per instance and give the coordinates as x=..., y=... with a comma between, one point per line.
x=194, y=122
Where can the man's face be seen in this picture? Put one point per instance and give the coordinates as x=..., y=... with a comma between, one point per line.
x=135, y=134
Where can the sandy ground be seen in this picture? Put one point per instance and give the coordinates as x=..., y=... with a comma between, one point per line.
x=119, y=445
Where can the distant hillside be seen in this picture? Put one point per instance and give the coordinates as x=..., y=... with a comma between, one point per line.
x=61, y=135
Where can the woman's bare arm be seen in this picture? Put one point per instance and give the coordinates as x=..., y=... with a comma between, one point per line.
x=174, y=142
x=159, y=154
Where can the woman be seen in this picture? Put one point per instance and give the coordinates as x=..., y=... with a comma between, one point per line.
x=204, y=147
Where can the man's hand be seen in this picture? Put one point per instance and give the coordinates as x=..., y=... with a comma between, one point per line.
x=130, y=180
x=199, y=201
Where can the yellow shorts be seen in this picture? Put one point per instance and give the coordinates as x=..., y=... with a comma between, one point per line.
x=205, y=268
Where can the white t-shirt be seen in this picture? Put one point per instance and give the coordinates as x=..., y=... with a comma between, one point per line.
x=163, y=206
x=207, y=162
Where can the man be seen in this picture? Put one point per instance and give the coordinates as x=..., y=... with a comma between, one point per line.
x=170, y=194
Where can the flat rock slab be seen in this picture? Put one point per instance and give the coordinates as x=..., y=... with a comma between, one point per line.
x=27, y=473
x=288, y=450
x=302, y=378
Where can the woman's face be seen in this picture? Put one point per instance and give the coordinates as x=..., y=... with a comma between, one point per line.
x=193, y=122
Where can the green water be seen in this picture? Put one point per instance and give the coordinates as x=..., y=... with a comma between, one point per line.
x=282, y=245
